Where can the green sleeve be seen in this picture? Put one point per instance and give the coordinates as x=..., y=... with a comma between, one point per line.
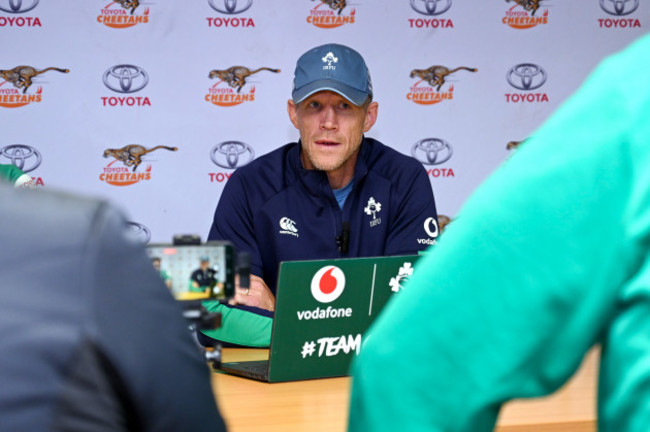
x=12, y=173
x=546, y=259
x=240, y=327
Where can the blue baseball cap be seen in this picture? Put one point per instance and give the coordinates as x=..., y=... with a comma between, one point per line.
x=333, y=67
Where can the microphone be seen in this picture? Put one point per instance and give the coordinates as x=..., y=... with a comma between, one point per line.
x=345, y=238
x=244, y=269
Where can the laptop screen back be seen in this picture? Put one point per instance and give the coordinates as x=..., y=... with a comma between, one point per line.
x=323, y=309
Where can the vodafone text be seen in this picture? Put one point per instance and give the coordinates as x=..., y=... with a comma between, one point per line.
x=330, y=312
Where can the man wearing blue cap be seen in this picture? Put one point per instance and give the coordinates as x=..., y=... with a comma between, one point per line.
x=333, y=194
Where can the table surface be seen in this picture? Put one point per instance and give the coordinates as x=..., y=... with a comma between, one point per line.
x=322, y=404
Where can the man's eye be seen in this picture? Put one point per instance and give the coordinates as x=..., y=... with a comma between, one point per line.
x=313, y=104
x=344, y=106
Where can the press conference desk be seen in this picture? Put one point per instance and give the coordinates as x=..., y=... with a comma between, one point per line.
x=322, y=405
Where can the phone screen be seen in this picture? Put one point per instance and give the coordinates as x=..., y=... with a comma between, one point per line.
x=195, y=272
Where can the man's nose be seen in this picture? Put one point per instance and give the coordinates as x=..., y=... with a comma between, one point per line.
x=328, y=119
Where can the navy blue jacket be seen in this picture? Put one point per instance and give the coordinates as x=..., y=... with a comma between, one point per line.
x=279, y=211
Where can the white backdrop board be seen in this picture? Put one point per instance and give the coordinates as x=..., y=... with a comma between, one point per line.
x=138, y=73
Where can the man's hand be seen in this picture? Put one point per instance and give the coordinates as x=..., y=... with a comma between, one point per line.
x=258, y=295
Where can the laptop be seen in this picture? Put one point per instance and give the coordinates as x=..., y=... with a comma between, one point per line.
x=322, y=310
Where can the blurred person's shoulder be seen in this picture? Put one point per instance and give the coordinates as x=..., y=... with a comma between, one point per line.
x=54, y=215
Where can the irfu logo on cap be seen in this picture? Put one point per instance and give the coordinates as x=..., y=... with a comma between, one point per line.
x=329, y=59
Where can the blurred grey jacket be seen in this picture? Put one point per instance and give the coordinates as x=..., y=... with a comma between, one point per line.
x=91, y=338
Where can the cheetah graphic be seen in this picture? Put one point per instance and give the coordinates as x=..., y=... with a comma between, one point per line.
x=335, y=5
x=529, y=5
x=235, y=76
x=21, y=76
x=435, y=75
x=129, y=4
x=131, y=155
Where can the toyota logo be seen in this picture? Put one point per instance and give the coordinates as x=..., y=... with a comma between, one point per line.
x=138, y=232
x=125, y=78
x=619, y=7
x=526, y=76
x=17, y=6
x=24, y=157
x=230, y=7
x=431, y=7
x=232, y=154
x=432, y=151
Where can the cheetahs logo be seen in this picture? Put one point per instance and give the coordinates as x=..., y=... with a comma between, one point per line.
x=443, y=221
x=336, y=5
x=234, y=78
x=513, y=145
x=330, y=15
x=131, y=155
x=435, y=76
x=22, y=78
x=528, y=5
x=526, y=18
x=123, y=14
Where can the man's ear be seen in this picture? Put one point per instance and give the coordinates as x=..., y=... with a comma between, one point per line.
x=371, y=116
x=291, y=109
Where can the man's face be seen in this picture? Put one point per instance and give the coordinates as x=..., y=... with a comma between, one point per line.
x=331, y=129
